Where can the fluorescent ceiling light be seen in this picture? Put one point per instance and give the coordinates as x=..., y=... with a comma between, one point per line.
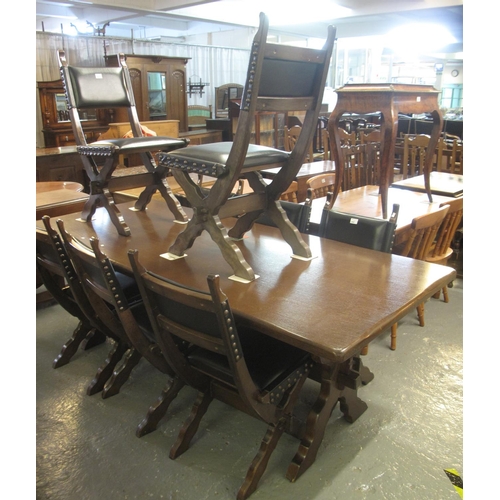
x=419, y=38
x=279, y=12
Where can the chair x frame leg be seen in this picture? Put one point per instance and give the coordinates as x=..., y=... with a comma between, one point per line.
x=100, y=195
x=209, y=208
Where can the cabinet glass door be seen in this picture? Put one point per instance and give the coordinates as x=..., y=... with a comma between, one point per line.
x=157, y=95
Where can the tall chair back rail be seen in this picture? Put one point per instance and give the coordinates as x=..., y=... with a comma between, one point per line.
x=105, y=87
x=280, y=78
x=227, y=360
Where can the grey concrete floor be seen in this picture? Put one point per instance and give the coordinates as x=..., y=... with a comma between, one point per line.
x=412, y=431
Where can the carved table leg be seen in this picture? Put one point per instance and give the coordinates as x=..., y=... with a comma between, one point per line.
x=316, y=423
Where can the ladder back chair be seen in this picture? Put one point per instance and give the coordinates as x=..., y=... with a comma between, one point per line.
x=123, y=357
x=450, y=156
x=361, y=165
x=103, y=87
x=442, y=249
x=55, y=275
x=414, y=151
x=418, y=245
x=227, y=360
x=280, y=78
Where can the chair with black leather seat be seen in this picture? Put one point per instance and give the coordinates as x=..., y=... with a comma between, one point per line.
x=54, y=276
x=228, y=360
x=98, y=321
x=106, y=284
x=280, y=78
x=103, y=87
x=297, y=213
x=123, y=356
x=362, y=231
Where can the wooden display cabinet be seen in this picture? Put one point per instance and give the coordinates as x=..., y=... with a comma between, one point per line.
x=269, y=127
x=159, y=85
x=60, y=164
x=57, y=130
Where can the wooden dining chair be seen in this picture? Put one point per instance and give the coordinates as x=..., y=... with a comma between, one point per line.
x=123, y=357
x=228, y=360
x=347, y=138
x=441, y=250
x=105, y=285
x=91, y=88
x=367, y=232
x=370, y=135
x=280, y=78
x=418, y=245
x=298, y=214
x=319, y=186
x=361, y=165
x=291, y=136
x=54, y=273
x=414, y=152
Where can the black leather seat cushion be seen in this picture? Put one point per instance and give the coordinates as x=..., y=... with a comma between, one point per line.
x=269, y=361
x=211, y=159
x=129, y=145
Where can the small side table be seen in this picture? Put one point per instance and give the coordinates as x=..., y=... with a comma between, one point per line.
x=388, y=99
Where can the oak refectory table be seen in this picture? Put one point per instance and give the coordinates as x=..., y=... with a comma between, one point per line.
x=331, y=306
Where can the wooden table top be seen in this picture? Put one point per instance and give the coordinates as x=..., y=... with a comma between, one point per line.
x=58, y=198
x=306, y=170
x=56, y=151
x=331, y=306
x=367, y=201
x=442, y=183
